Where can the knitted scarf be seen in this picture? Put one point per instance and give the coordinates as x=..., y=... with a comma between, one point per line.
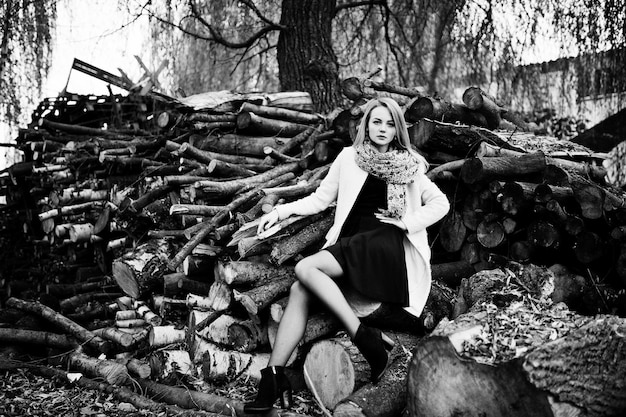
x=396, y=167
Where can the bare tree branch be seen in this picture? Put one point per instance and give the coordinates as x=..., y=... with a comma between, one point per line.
x=260, y=15
x=344, y=6
x=217, y=37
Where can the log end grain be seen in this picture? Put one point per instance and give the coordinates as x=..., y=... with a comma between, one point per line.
x=329, y=373
x=441, y=383
x=125, y=278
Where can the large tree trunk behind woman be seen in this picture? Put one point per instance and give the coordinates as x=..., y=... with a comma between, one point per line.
x=306, y=59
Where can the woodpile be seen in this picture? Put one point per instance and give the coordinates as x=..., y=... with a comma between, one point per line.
x=141, y=245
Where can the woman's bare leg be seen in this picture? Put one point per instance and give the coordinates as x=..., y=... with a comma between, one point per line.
x=292, y=325
x=316, y=273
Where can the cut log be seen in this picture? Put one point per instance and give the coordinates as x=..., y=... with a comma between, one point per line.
x=332, y=369
x=490, y=232
x=387, y=397
x=219, y=298
x=451, y=273
x=199, y=266
x=165, y=364
x=219, y=168
x=281, y=114
x=287, y=248
x=293, y=146
x=476, y=99
x=27, y=337
x=112, y=372
x=247, y=272
x=197, y=209
x=251, y=122
x=220, y=365
x=436, y=108
x=260, y=297
x=588, y=247
x=190, y=399
x=178, y=284
x=453, y=139
x=77, y=331
x=487, y=169
x=138, y=367
x=73, y=196
x=543, y=234
x=361, y=88
x=187, y=149
x=516, y=197
x=65, y=210
x=231, y=144
x=561, y=377
x=161, y=336
x=452, y=232
x=240, y=335
x=141, y=270
x=225, y=188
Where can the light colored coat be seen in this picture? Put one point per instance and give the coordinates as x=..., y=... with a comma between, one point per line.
x=426, y=204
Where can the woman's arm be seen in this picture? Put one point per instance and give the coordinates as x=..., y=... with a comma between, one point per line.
x=434, y=206
x=320, y=199
x=316, y=202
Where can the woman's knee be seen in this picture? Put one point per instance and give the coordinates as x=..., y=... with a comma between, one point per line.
x=299, y=292
x=303, y=269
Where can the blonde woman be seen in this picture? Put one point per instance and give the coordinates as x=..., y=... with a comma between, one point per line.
x=376, y=260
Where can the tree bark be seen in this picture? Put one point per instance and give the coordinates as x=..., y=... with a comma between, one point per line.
x=306, y=59
x=141, y=270
x=241, y=335
x=247, y=272
x=237, y=144
x=481, y=169
x=79, y=332
x=388, y=397
x=287, y=248
x=219, y=365
x=578, y=374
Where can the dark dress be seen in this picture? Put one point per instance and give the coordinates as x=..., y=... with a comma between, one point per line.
x=371, y=253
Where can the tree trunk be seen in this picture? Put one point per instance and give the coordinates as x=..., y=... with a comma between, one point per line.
x=306, y=60
x=580, y=373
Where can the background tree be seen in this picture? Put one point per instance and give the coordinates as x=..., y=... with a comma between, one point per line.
x=26, y=28
x=310, y=45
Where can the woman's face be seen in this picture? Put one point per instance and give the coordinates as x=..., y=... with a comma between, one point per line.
x=381, y=128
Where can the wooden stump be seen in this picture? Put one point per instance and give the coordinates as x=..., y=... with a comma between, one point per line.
x=579, y=374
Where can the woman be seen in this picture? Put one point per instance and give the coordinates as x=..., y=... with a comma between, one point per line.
x=376, y=255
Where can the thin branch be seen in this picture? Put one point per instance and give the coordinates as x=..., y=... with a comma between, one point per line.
x=345, y=6
x=261, y=16
x=217, y=37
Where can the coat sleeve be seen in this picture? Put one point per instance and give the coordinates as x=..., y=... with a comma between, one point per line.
x=321, y=198
x=434, y=206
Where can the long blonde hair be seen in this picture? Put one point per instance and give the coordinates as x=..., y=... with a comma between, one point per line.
x=402, y=139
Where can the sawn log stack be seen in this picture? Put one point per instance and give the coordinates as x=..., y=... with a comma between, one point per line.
x=144, y=247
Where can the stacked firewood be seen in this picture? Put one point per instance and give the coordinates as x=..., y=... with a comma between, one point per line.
x=149, y=238
x=523, y=339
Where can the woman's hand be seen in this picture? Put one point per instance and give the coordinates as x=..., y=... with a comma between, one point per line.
x=267, y=220
x=390, y=220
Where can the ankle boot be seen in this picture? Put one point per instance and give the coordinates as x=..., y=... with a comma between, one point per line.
x=375, y=348
x=273, y=385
